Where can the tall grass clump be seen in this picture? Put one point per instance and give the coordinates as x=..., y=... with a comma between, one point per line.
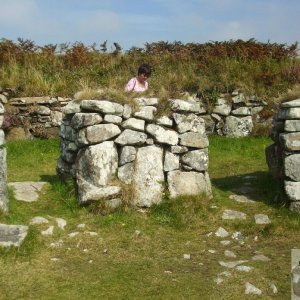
x=267, y=70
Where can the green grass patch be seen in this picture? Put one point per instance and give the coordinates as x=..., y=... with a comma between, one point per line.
x=138, y=254
x=32, y=160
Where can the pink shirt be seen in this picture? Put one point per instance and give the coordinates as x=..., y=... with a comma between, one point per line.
x=133, y=85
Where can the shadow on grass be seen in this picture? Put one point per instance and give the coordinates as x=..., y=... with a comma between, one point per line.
x=258, y=186
x=50, y=178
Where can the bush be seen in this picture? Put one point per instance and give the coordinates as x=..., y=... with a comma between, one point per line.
x=263, y=69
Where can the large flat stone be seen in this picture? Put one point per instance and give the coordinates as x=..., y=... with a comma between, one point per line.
x=189, y=122
x=98, y=164
x=238, y=127
x=27, y=191
x=193, y=139
x=131, y=137
x=186, y=106
x=292, y=190
x=290, y=113
x=229, y=214
x=188, y=183
x=97, y=133
x=292, y=166
x=196, y=159
x=148, y=176
x=80, y=120
x=103, y=106
x=12, y=235
x=291, y=141
x=292, y=125
x=88, y=192
x=293, y=103
x=162, y=135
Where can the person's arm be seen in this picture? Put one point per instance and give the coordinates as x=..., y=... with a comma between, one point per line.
x=130, y=85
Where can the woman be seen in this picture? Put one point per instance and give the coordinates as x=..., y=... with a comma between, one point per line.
x=139, y=83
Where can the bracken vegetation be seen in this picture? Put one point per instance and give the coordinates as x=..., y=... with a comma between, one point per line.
x=267, y=70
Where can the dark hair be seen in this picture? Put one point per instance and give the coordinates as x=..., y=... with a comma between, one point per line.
x=144, y=69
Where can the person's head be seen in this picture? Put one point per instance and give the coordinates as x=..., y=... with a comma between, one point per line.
x=144, y=72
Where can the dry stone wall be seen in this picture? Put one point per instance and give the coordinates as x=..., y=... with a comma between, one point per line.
x=3, y=175
x=283, y=157
x=27, y=117
x=106, y=145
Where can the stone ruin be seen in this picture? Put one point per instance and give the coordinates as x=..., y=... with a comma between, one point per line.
x=108, y=147
x=232, y=114
x=283, y=157
x=3, y=175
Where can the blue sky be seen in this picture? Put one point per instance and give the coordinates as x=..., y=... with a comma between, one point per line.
x=133, y=22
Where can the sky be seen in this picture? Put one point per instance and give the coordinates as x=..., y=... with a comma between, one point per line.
x=132, y=23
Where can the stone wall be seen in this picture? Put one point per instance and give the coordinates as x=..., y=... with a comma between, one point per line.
x=29, y=117
x=231, y=115
x=283, y=157
x=3, y=174
x=106, y=146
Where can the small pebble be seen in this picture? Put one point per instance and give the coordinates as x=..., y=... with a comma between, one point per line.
x=72, y=234
x=48, y=231
x=244, y=268
x=39, y=220
x=57, y=244
x=221, y=232
x=251, y=289
x=91, y=233
x=273, y=288
x=61, y=223
x=229, y=253
x=218, y=280
x=260, y=257
x=225, y=273
x=225, y=242
x=54, y=259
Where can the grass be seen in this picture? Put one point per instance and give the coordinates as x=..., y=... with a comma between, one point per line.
x=138, y=254
x=210, y=74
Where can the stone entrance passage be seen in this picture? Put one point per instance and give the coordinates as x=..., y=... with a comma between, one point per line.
x=106, y=145
x=283, y=156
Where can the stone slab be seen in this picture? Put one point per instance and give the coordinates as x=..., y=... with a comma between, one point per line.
x=27, y=191
x=12, y=235
x=188, y=183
